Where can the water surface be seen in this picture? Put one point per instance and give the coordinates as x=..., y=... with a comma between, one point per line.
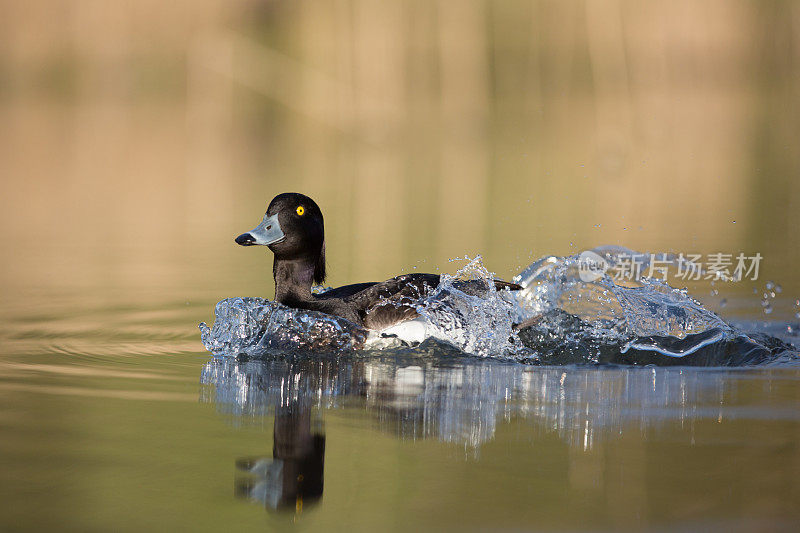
x=115, y=417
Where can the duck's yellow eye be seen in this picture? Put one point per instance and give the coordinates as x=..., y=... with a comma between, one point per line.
x=300, y=210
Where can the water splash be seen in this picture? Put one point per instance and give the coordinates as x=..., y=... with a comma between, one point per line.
x=256, y=326
x=559, y=317
x=468, y=312
x=628, y=321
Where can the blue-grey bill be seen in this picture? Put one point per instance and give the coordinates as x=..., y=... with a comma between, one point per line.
x=268, y=232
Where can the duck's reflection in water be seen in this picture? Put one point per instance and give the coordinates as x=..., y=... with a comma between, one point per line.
x=293, y=476
x=462, y=400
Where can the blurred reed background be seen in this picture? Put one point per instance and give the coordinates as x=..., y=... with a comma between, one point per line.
x=137, y=138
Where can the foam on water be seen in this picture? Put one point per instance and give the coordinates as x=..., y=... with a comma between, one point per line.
x=478, y=322
x=557, y=318
x=254, y=326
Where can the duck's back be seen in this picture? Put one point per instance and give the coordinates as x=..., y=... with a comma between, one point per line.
x=346, y=291
x=384, y=304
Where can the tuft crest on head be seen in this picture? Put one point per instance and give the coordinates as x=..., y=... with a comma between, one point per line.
x=319, y=267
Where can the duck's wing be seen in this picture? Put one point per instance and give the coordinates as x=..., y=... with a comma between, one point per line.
x=408, y=285
x=345, y=291
x=499, y=284
x=477, y=287
x=383, y=304
x=396, y=298
x=389, y=312
x=412, y=286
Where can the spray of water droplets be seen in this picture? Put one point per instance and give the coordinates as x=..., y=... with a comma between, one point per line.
x=557, y=317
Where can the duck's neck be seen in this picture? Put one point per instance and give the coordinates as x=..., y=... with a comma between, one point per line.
x=293, y=280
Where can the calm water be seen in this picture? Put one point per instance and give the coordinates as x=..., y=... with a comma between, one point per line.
x=114, y=417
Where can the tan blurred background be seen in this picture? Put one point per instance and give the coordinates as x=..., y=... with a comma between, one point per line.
x=138, y=138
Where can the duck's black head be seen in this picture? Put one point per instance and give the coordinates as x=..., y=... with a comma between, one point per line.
x=294, y=230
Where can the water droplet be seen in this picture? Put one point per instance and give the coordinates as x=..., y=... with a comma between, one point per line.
x=770, y=285
x=778, y=289
x=767, y=310
x=797, y=315
x=723, y=302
